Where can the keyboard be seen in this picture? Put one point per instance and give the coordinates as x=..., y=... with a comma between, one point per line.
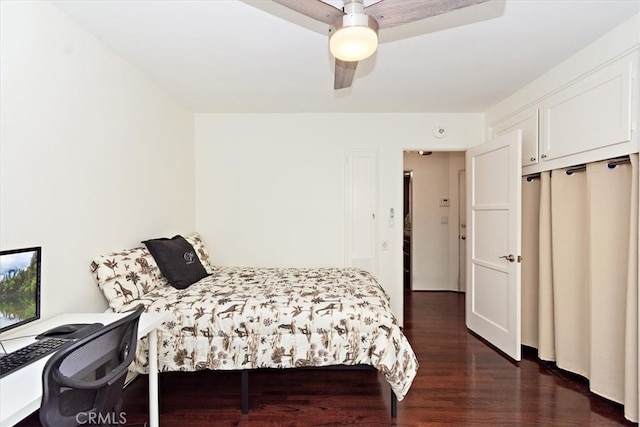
x=29, y=354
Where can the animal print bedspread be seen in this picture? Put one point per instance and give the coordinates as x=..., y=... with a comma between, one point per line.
x=247, y=318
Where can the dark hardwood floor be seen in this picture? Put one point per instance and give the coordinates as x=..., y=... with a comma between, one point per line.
x=461, y=381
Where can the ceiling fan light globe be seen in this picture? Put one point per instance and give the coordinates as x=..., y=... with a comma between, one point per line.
x=353, y=37
x=353, y=43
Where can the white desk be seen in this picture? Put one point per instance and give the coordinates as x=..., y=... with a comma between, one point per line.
x=21, y=391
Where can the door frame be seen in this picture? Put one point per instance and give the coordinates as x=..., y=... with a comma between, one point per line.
x=408, y=193
x=462, y=232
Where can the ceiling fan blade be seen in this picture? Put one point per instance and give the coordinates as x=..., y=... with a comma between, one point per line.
x=315, y=9
x=344, y=74
x=390, y=13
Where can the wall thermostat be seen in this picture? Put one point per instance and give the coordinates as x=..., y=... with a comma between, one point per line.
x=439, y=132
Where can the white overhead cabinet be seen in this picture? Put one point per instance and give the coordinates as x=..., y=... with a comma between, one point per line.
x=528, y=122
x=586, y=120
x=592, y=113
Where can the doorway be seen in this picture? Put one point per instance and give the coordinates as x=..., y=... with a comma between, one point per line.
x=406, y=230
x=432, y=220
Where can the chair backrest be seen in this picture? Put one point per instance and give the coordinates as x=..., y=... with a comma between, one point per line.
x=82, y=383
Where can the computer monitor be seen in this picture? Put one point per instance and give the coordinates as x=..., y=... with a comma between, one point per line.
x=19, y=287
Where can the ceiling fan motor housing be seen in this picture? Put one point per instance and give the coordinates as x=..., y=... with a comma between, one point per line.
x=354, y=20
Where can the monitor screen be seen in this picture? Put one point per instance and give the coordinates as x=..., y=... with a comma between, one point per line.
x=19, y=287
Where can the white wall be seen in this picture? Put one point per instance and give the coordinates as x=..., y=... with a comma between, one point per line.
x=93, y=156
x=270, y=188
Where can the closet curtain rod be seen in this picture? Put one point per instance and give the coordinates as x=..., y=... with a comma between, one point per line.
x=611, y=165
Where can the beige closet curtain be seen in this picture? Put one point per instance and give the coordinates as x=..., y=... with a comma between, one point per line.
x=530, y=271
x=584, y=264
x=570, y=272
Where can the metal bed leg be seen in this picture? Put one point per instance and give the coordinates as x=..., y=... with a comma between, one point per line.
x=244, y=380
x=394, y=405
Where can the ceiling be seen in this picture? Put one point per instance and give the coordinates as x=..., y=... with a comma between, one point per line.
x=258, y=56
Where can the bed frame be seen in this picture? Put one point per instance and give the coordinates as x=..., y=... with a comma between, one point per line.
x=244, y=385
x=131, y=276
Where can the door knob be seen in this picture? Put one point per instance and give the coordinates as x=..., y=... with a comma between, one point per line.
x=510, y=257
x=463, y=237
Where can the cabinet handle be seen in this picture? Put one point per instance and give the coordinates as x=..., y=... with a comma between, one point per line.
x=533, y=159
x=544, y=156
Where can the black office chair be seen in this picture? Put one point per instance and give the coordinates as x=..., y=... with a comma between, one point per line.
x=82, y=383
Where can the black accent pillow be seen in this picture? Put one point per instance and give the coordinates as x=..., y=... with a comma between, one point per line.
x=177, y=260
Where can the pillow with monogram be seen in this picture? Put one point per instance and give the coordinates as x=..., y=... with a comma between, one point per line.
x=198, y=244
x=177, y=260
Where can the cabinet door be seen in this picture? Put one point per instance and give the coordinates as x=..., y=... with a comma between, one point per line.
x=527, y=121
x=592, y=113
x=362, y=206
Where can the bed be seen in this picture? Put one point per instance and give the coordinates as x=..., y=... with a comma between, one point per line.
x=244, y=318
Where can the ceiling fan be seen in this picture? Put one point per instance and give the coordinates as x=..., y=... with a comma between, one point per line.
x=353, y=31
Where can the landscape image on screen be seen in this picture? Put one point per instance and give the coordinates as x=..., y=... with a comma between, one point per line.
x=18, y=287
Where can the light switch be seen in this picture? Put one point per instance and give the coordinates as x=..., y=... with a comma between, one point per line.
x=444, y=220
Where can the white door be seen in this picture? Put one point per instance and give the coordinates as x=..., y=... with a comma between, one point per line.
x=462, y=231
x=362, y=202
x=493, y=241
